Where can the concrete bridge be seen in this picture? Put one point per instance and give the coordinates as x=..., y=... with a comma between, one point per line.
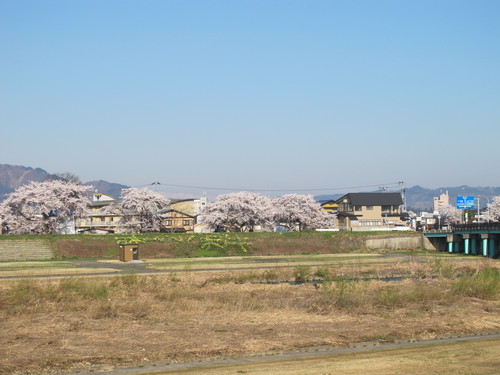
x=470, y=239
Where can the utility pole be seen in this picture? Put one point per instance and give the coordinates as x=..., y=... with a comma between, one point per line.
x=403, y=194
x=478, y=210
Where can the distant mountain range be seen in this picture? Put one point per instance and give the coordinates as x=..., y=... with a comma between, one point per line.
x=418, y=198
x=13, y=176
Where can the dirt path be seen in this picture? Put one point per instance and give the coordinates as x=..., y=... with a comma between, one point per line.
x=113, y=268
x=275, y=360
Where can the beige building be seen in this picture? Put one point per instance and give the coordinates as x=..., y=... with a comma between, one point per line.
x=370, y=211
x=96, y=221
x=440, y=202
x=181, y=216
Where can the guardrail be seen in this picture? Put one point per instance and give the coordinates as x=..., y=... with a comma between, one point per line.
x=475, y=227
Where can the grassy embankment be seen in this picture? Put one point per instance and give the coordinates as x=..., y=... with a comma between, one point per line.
x=167, y=245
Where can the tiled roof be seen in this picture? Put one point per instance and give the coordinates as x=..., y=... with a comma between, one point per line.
x=373, y=199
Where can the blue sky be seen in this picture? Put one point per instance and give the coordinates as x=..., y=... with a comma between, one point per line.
x=253, y=94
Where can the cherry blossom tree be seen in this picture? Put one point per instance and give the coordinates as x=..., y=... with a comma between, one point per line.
x=453, y=214
x=43, y=207
x=493, y=212
x=301, y=212
x=138, y=210
x=239, y=212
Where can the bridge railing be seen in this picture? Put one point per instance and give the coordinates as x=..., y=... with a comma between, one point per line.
x=476, y=227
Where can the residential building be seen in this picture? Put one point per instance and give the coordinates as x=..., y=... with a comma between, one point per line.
x=181, y=216
x=330, y=206
x=96, y=220
x=370, y=211
x=429, y=220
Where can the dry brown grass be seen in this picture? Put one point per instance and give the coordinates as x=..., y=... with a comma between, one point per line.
x=81, y=322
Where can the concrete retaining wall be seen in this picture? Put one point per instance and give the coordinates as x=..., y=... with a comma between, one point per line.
x=410, y=242
x=25, y=250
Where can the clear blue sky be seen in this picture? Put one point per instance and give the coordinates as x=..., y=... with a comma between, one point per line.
x=253, y=94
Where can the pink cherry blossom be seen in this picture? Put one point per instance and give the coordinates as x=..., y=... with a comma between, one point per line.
x=43, y=207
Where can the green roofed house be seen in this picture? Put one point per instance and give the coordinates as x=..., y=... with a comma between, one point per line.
x=371, y=211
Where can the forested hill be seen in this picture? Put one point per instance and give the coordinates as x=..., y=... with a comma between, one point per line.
x=13, y=176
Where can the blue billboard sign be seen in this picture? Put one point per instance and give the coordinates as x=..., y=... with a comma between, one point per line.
x=465, y=203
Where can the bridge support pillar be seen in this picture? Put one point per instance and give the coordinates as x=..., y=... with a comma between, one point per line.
x=449, y=239
x=466, y=238
x=450, y=247
x=453, y=243
x=492, y=247
x=473, y=247
x=484, y=237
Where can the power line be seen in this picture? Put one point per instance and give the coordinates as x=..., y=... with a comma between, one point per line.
x=270, y=190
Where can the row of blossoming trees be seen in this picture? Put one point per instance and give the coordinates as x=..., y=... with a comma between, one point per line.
x=47, y=207
x=50, y=206
x=244, y=211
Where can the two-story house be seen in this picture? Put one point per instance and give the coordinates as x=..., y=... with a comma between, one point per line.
x=97, y=220
x=370, y=211
x=181, y=216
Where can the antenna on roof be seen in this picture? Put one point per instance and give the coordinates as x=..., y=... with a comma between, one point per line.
x=382, y=189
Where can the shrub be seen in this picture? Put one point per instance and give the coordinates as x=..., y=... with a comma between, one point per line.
x=129, y=279
x=390, y=297
x=24, y=292
x=246, y=277
x=323, y=273
x=443, y=268
x=270, y=275
x=301, y=274
x=484, y=284
x=344, y=294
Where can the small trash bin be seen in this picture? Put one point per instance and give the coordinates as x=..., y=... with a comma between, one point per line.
x=129, y=252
